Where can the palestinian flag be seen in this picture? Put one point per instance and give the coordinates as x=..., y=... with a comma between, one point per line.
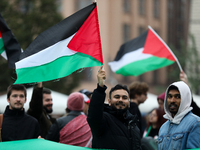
x=72, y=44
x=9, y=47
x=142, y=54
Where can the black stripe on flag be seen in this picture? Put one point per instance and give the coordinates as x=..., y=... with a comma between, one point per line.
x=12, y=47
x=131, y=45
x=59, y=32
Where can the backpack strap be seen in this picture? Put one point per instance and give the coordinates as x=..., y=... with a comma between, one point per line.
x=1, y=121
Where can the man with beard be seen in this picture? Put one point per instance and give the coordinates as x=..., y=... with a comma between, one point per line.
x=182, y=130
x=40, y=107
x=112, y=125
x=17, y=125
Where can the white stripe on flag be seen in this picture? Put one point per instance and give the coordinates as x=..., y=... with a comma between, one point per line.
x=129, y=58
x=47, y=55
x=3, y=54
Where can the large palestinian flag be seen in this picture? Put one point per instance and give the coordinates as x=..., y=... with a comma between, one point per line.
x=142, y=54
x=72, y=44
x=9, y=47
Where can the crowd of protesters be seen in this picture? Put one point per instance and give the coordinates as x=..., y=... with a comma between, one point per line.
x=90, y=122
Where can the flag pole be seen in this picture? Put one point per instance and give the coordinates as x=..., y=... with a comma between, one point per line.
x=167, y=47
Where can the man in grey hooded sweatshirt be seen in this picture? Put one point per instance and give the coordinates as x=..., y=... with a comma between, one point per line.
x=182, y=130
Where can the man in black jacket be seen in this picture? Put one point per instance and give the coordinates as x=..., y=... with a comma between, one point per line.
x=17, y=125
x=112, y=125
x=40, y=108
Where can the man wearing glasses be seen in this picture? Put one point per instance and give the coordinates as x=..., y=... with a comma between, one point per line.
x=182, y=130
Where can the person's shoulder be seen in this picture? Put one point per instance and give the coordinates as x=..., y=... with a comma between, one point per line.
x=30, y=118
x=194, y=117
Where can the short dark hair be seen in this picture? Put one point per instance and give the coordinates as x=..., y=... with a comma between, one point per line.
x=138, y=88
x=17, y=87
x=118, y=87
x=172, y=87
x=46, y=91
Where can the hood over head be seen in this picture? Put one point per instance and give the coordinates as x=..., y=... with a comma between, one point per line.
x=186, y=99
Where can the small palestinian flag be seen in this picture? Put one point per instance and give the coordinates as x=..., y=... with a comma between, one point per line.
x=142, y=54
x=72, y=44
x=9, y=47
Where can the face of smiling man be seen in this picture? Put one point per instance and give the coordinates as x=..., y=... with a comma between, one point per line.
x=174, y=101
x=119, y=99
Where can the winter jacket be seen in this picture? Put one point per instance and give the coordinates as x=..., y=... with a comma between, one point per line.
x=182, y=131
x=37, y=111
x=134, y=110
x=110, y=129
x=17, y=125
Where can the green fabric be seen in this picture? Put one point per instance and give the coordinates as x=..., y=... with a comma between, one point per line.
x=59, y=68
x=142, y=66
x=38, y=144
x=149, y=129
x=1, y=46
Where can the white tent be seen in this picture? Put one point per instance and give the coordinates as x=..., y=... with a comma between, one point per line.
x=152, y=103
x=149, y=104
x=59, y=102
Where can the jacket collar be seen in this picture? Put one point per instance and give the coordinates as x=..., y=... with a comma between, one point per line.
x=14, y=112
x=123, y=115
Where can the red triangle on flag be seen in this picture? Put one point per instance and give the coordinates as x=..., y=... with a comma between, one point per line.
x=156, y=47
x=87, y=39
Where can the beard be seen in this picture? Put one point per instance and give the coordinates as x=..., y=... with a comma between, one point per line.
x=119, y=109
x=48, y=110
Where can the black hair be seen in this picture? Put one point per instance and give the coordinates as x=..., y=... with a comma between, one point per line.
x=172, y=87
x=46, y=91
x=118, y=87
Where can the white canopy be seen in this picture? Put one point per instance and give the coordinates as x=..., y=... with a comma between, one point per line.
x=59, y=101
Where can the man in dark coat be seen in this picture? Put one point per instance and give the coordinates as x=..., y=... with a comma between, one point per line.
x=17, y=125
x=40, y=108
x=112, y=125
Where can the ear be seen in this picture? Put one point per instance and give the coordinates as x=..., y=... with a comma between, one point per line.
x=109, y=102
x=8, y=100
x=25, y=100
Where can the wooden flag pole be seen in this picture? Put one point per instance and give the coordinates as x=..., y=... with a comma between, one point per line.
x=167, y=47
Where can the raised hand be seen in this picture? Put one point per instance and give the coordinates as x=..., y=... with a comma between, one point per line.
x=101, y=76
x=183, y=77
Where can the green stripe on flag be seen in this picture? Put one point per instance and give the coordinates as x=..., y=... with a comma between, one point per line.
x=1, y=46
x=59, y=68
x=142, y=66
x=38, y=144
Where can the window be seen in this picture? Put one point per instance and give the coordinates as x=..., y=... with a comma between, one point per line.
x=156, y=10
x=142, y=8
x=141, y=30
x=79, y=4
x=156, y=77
x=127, y=6
x=126, y=32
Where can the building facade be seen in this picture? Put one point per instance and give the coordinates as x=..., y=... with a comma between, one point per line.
x=121, y=21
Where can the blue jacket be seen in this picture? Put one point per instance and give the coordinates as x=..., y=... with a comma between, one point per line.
x=181, y=131
x=185, y=135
